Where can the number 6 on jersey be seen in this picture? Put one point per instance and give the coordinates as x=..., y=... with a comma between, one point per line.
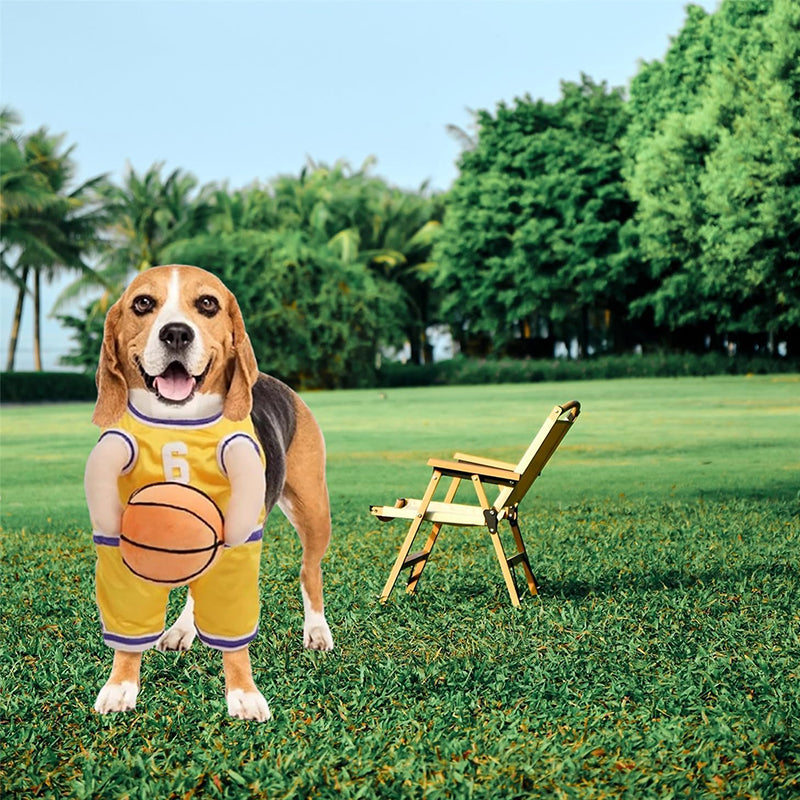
x=176, y=468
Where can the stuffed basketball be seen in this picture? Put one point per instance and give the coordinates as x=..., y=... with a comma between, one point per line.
x=171, y=533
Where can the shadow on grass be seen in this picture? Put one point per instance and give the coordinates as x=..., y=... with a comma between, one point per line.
x=720, y=577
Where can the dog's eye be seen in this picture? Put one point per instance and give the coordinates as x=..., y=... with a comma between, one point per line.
x=143, y=304
x=207, y=305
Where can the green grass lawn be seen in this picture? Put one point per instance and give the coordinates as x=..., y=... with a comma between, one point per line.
x=661, y=659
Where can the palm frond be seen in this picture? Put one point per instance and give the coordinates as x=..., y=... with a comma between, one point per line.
x=10, y=274
x=346, y=243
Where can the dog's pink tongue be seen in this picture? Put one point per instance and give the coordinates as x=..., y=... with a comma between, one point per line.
x=175, y=384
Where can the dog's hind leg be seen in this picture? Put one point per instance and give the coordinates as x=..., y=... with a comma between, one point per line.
x=181, y=634
x=305, y=502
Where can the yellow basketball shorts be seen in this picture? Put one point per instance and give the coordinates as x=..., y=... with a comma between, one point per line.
x=226, y=601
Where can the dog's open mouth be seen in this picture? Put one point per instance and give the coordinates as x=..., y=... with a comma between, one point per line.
x=174, y=384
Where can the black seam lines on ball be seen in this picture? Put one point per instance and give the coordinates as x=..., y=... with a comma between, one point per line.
x=174, y=508
x=175, y=483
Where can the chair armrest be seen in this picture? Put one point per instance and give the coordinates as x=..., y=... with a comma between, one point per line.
x=458, y=469
x=486, y=462
x=572, y=406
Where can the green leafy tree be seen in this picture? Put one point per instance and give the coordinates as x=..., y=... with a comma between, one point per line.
x=751, y=223
x=360, y=247
x=86, y=328
x=148, y=213
x=714, y=172
x=362, y=220
x=531, y=247
x=252, y=208
x=314, y=320
x=393, y=234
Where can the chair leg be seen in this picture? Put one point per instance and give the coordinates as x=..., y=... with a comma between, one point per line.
x=416, y=569
x=490, y=514
x=416, y=523
x=424, y=554
x=401, y=557
x=508, y=575
x=533, y=587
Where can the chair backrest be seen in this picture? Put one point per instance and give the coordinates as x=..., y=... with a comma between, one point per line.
x=546, y=442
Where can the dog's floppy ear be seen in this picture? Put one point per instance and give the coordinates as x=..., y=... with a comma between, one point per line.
x=239, y=399
x=112, y=389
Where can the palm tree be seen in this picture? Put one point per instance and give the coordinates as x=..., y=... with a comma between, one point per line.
x=252, y=208
x=363, y=220
x=404, y=231
x=22, y=192
x=46, y=227
x=143, y=216
x=149, y=213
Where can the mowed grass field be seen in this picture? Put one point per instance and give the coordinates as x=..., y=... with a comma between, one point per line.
x=661, y=658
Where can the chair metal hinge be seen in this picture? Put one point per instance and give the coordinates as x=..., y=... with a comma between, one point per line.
x=415, y=558
x=490, y=515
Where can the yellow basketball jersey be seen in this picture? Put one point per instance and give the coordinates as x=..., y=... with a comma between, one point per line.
x=185, y=451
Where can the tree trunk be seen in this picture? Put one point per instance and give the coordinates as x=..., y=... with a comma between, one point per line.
x=414, y=341
x=584, y=338
x=37, y=322
x=12, y=343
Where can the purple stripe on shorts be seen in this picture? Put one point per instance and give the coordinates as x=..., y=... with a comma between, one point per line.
x=226, y=644
x=108, y=541
x=131, y=641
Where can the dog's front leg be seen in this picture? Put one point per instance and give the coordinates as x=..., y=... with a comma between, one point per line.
x=105, y=464
x=122, y=686
x=246, y=475
x=248, y=484
x=244, y=699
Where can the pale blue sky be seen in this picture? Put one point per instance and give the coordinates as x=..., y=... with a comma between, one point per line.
x=244, y=91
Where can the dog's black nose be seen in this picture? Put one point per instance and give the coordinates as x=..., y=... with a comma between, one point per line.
x=176, y=336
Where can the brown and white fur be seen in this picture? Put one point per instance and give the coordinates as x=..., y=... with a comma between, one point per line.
x=186, y=315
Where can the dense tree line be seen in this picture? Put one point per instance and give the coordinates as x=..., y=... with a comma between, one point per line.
x=329, y=266
x=667, y=218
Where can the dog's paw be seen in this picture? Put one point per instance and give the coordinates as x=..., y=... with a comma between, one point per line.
x=248, y=705
x=178, y=637
x=116, y=697
x=316, y=634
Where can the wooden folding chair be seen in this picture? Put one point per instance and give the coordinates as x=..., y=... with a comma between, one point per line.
x=513, y=482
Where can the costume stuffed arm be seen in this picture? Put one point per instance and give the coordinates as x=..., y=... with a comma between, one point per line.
x=248, y=485
x=105, y=464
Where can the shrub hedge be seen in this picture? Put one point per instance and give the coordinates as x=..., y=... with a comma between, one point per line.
x=475, y=371
x=33, y=387
x=46, y=387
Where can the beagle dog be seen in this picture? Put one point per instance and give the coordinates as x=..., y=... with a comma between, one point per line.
x=180, y=398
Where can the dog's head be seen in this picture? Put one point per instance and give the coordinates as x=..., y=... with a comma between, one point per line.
x=176, y=346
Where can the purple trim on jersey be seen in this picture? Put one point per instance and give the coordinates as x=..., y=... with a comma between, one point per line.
x=107, y=541
x=174, y=423
x=128, y=439
x=255, y=536
x=233, y=437
x=226, y=644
